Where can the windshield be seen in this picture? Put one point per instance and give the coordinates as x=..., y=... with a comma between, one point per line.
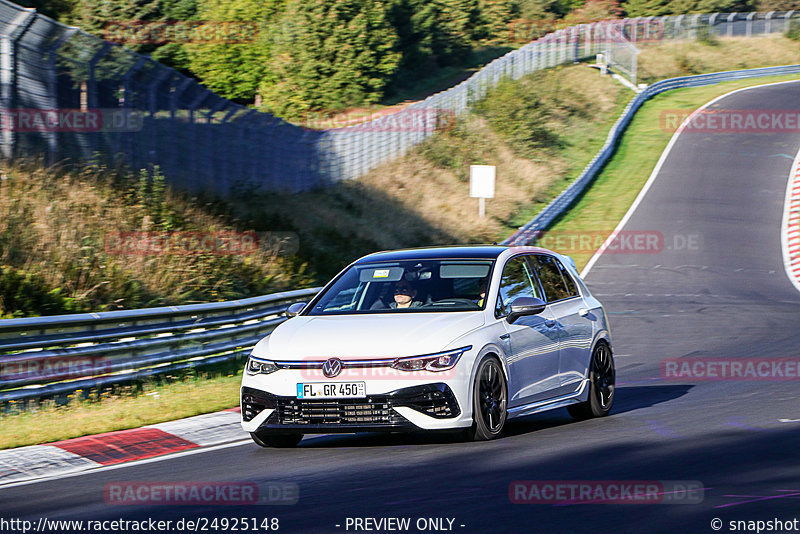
x=407, y=287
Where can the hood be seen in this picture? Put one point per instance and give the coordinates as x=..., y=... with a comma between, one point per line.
x=366, y=336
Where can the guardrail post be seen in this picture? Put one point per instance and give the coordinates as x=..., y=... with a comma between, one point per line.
x=8, y=75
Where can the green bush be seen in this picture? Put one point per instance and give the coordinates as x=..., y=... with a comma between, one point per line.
x=704, y=35
x=793, y=31
x=24, y=294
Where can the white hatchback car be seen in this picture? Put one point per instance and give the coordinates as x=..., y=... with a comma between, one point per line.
x=433, y=339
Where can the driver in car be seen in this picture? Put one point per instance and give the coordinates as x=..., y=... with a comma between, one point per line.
x=404, y=294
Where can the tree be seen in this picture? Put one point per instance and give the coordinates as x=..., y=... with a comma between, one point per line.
x=330, y=54
x=594, y=10
x=646, y=8
x=235, y=70
x=496, y=15
x=60, y=10
x=96, y=16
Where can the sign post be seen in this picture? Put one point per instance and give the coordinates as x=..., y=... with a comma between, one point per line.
x=481, y=185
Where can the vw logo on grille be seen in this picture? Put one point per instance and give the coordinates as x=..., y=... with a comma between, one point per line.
x=332, y=367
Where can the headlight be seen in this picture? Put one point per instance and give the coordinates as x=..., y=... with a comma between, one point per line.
x=256, y=366
x=441, y=361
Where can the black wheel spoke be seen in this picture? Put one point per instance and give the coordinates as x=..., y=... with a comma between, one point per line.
x=491, y=396
x=603, y=377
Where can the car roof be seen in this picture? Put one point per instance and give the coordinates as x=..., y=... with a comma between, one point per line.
x=454, y=252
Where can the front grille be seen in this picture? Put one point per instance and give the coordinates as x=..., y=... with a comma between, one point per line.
x=369, y=411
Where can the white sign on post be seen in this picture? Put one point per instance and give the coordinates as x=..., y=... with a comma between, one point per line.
x=481, y=185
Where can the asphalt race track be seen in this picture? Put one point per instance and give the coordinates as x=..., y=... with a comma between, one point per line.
x=718, y=288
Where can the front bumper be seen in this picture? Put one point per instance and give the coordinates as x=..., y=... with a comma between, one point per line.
x=426, y=406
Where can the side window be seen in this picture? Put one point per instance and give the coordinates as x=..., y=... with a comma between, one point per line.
x=547, y=269
x=516, y=282
x=571, y=288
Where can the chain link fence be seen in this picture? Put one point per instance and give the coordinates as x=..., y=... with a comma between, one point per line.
x=68, y=96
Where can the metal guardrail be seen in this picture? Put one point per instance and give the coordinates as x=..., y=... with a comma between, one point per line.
x=43, y=356
x=562, y=202
x=53, y=355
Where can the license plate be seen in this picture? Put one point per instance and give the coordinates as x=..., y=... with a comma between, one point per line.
x=331, y=390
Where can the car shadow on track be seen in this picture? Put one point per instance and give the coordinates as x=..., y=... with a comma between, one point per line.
x=627, y=399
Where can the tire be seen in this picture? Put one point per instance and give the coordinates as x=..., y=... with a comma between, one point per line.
x=602, y=376
x=489, y=401
x=282, y=441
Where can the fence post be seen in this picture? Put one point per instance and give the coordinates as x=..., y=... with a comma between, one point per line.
x=126, y=81
x=694, y=24
x=576, y=43
x=92, y=85
x=730, y=20
x=768, y=23
x=151, y=89
x=8, y=75
x=749, y=30
x=788, y=18
x=52, y=87
x=679, y=23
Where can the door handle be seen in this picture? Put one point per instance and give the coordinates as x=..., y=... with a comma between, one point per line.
x=583, y=312
x=549, y=323
x=505, y=336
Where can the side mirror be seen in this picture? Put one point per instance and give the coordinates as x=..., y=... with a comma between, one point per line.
x=525, y=306
x=295, y=309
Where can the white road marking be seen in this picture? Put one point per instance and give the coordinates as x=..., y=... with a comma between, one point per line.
x=785, y=232
x=657, y=170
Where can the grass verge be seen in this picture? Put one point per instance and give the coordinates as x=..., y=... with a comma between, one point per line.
x=155, y=401
x=604, y=204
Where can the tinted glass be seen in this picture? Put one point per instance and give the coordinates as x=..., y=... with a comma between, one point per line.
x=516, y=282
x=406, y=287
x=550, y=277
x=571, y=288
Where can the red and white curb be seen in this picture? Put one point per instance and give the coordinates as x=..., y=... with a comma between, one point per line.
x=89, y=452
x=791, y=225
